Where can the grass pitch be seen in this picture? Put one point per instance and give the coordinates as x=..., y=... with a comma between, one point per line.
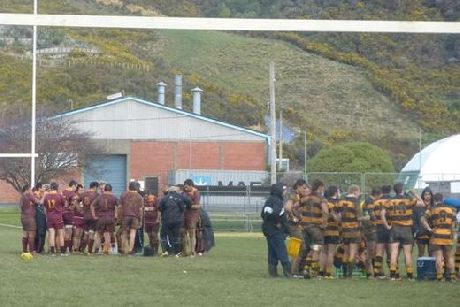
x=234, y=273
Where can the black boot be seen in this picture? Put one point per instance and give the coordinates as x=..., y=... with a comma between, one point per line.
x=287, y=269
x=272, y=271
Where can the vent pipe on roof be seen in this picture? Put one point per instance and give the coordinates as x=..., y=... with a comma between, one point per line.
x=178, y=95
x=196, y=93
x=161, y=92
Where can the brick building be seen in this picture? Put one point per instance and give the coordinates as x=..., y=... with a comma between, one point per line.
x=149, y=142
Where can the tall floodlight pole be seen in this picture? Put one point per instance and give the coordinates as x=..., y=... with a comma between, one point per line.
x=272, y=124
x=34, y=99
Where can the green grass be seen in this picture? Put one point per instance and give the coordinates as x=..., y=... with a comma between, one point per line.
x=234, y=273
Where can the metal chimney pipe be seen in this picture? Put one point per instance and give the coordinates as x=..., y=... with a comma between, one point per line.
x=196, y=93
x=178, y=95
x=161, y=92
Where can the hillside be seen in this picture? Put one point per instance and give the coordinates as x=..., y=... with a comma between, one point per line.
x=338, y=87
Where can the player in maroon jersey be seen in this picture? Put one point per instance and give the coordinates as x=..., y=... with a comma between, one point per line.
x=28, y=205
x=152, y=220
x=131, y=213
x=69, y=207
x=103, y=210
x=191, y=215
x=54, y=206
x=89, y=227
x=78, y=218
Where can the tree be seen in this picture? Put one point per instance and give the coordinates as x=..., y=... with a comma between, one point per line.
x=60, y=147
x=352, y=157
x=351, y=161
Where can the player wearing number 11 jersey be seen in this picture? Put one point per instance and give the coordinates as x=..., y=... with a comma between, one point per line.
x=54, y=206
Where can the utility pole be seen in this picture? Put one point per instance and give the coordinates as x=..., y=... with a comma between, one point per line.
x=272, y=124
x=305, y=152
x=280, y=165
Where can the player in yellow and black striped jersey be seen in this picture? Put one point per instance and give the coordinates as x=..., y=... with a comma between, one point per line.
x=331, y=233
x=351, y=217
x=370, y=229
x=439, y=221
x=422, y=236
x=400, y=221
x=314, y=211
x=383, y=234
x=299, y=190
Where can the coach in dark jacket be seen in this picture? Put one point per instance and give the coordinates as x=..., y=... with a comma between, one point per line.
x=172, y=208
x=275, y=229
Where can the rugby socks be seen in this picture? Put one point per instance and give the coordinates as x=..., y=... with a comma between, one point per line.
x=440, y=275
x=90, y=246
x=52, y=250
x=393, y=270
x=378, y=266
x=63, y=248
x=350, y=268
x=315, y=267
x=410, y=272
x=31, y=244
x=24, y=245
x=82, y=245
x=68, y=244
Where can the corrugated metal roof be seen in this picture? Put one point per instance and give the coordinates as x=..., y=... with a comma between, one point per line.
x=159, y=106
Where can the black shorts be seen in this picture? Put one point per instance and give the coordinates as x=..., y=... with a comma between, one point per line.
x=401, y=234
x=331, y=240
x=383, y=235
x=313, y=235
x=370, y=236
x=347, y=241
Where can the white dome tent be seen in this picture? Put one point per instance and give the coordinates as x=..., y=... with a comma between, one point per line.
x=437, y=164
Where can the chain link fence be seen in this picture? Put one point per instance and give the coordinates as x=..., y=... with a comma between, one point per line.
x=237, y=208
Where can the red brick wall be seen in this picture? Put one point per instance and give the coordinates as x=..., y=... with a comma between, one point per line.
x=199, y=155
x=244, y=156
x=158, y=158
x=8, y=195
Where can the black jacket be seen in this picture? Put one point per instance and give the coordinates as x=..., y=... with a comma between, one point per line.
x=273, y=215
x=40, y=217
x=172, y=208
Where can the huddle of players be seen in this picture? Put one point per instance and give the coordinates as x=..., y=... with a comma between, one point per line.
x=336, y=231
x=76, y=219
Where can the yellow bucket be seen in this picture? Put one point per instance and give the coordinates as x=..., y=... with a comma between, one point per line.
x=293, y=246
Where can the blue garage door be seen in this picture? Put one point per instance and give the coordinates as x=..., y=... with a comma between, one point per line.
x=108, y=168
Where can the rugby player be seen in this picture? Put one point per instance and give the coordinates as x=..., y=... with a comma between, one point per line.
x=422, y=236
x=400, y=212
x=152, y=220
x=439, y=220
x=351, y=218
x=54, y=206
x=103, y=211
x=331, y=233
x=370, y=229
x=131, y=213
x=89, y=226
x=69, y=207
x=383, y=234
x=191, y=216
x=28, y=204
x=300, y=189
x=314, y=211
